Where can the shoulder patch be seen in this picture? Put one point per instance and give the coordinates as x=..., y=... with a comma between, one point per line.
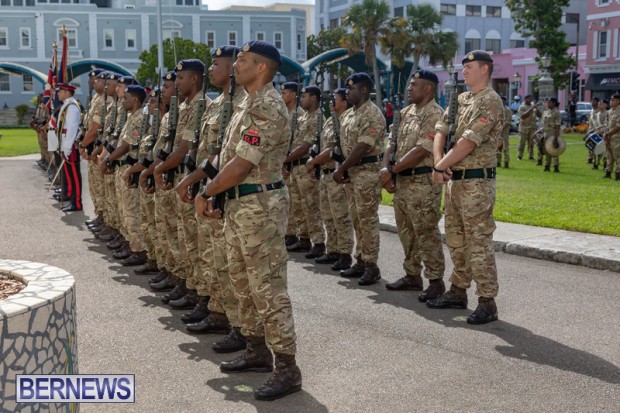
x=484, y=120
x=251, y=140
x=135, y=134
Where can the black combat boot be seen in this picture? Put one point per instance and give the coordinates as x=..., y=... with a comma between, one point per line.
x=539, y=163
x=455, y=297
x=556, y=169
x=159, y=277
x=286, y=379
x=168, y=283
x=328, y=258
x=290, y=240
x=408, y=282
x=506, y=165
x=94, y=222
x=256, y=357
x=344, y=262
x=123, y=252
x=372, y=275
x=136, y=258
x=607, y=175
x=547, y=168
x=484, y=313
x=434, y=290
x=234, y=341
x=177, y=292
x=149, y=267
x=214, y=323
x=189, y=300
x=316, y=251
x=617, y=176
x=303, y=245
x=199, y=312
x=356, y=270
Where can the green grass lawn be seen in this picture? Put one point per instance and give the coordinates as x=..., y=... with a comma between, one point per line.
x=576, y=199
x=16, y=142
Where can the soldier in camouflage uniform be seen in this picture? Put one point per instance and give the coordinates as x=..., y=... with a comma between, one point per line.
x=551, y=121
x=333, y=201
x=255, y=147
x=503, y=146
x=417, y=200
x=165, y=202
x=528, y=112
x=612, y=138
x=92, y=123
x=189, y=82
x=147, y=198
x=218, y=309
x=362, y=133
x=297, y=227
x=129, y=136
x=303, y=186
x=593, y=126
x=469, y=170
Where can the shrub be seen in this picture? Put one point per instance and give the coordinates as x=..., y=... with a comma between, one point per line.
x=21, y=112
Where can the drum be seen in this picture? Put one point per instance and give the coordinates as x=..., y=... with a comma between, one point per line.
x=595, y=144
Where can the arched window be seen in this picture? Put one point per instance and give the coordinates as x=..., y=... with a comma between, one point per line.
x=493, y=42
x=72, y=32
x=171, y=29
x=516, y=40
x=472, y=40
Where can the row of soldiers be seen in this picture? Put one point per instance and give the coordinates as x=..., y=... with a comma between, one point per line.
x=604, y=120
x=196, y=192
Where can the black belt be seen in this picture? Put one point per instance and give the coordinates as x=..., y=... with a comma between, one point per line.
x=249, y=189
x=417, y=171
x=301, y=161
x=369, y=159
x=327, y=171
x=488, y=173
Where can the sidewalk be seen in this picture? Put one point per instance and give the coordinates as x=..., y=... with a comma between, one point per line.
x=601, y=252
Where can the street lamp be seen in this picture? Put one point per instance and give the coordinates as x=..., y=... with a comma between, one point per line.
x=517, y=80
x=545, y=83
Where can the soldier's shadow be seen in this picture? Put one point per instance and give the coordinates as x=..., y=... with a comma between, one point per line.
x=521, y=343
x=239, y=388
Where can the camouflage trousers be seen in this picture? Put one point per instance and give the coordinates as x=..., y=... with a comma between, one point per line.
x=525, y=138
x=505, y=150
x=306, y=189
x=469, y=234
x=257, y=259
x=96, y=186
x=167, y=229
x=363, y=197
x=215, y=281
x=188, y=241
x=120, y=205
x=612, y=156
x=335, y=214
x=111, y=205
x=417, y=210
x=147, y=226
x=162, y=200
x=297, y=225
x=130, y=212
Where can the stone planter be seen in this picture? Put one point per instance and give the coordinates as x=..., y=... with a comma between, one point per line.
x=37, y=331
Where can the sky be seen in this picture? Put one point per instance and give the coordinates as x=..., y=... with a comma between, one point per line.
x=220, y=4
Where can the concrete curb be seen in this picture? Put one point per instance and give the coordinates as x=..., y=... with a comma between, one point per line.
x=600, y=252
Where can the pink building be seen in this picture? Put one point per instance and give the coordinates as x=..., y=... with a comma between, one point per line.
x=603, y=48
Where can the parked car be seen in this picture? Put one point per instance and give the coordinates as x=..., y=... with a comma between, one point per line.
x=582, y=113
x=514, y=124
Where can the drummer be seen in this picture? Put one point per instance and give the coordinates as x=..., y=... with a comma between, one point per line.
x=551, y=121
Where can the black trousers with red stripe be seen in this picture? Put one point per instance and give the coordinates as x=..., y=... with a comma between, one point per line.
x=72, y=179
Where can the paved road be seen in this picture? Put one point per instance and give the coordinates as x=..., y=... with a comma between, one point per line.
x=555, y=348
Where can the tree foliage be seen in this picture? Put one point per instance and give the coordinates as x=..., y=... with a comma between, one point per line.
x=540, y=20
x=185, y=49
x=368, y=21
x=327, y=39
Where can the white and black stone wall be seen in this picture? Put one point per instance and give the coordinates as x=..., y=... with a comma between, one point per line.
x=37, y=332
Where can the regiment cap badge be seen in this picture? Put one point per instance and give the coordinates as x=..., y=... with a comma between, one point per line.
x=180, y=66
x=218, y=52
x=470, y=56
x=246, y=48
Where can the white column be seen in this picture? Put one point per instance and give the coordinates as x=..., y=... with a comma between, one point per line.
x=246, y=34
x=40, y=31
x=93, y=36
x=145, y=33
x=196, y=28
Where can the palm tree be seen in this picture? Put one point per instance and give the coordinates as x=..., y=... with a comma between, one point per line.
x=368, y=22
x=427, y=39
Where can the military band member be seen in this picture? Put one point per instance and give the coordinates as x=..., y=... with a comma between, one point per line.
x=593, y=126
x=257, y=141
x=362, y=133
x=528, y=112
x=612, y=139
x=303, y=186
x=417, y=199
x=333, y=201
x=469, y=170
x=67, y=131
x=551, y=122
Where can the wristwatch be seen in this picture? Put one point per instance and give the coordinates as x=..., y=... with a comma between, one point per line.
x=439, y=170
x=203, y=192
